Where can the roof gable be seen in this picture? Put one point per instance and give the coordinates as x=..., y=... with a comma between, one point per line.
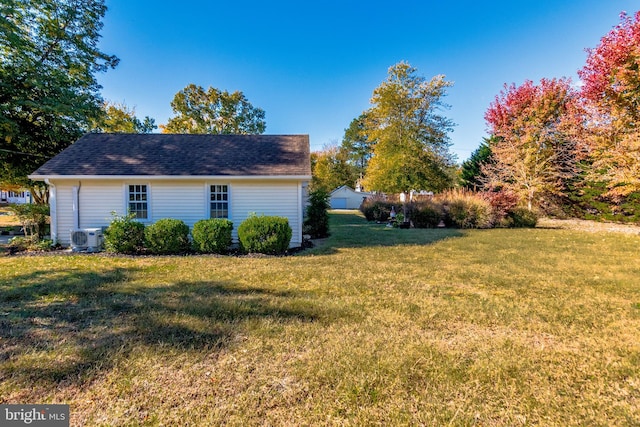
x=100, y=154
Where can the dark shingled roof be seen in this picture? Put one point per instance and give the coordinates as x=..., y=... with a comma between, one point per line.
x=182, y=155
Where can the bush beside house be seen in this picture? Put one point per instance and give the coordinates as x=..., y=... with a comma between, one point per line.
x=265, y=234
x=167, y=236
x=212, y=235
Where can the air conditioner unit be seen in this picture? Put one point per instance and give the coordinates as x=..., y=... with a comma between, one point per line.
x=87, y=239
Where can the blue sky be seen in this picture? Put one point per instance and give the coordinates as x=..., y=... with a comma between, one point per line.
x=312, y=66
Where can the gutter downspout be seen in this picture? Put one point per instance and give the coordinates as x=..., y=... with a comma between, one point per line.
x=53, y=211
x=76, y=206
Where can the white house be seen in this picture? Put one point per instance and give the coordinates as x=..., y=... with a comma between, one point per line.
x=346, y=197
x=188, y=177
x=15, y=197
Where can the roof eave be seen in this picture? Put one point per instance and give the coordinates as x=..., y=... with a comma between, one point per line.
x=171, y=177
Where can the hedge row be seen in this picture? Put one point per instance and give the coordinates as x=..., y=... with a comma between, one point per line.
x=257, y=234
x=458, y=208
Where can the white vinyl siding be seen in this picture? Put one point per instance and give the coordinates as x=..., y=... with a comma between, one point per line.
x=179, y=200
x=64, y=213
x=185, y=200
x=97, y=201
x=263, y=198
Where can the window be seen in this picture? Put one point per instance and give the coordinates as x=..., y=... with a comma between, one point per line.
x=138, y=201
x=219, y=201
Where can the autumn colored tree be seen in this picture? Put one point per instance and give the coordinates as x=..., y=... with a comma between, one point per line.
x=534, y=152
x=48, y=90
x=611, y=91
x=118, y=118
x=213, y=111
x=411, y=150
x=331, y=169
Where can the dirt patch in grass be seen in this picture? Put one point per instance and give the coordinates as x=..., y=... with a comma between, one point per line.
x=589, y=226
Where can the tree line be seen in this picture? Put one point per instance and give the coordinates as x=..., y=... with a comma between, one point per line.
x=573, y=149
x=560, y=147
x=50, y=96
x=554, y=144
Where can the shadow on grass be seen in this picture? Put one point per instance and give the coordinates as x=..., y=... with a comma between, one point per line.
x=67, y=326
x=349, y=229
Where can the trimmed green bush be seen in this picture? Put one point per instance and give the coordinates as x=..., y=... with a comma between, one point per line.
x=212, y=235
x=124, y=235
x=523, y=218
x=265, y=234
x=167, y=236
x=316, y=223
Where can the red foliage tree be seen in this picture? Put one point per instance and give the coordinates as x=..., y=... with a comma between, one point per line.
x=534, y=152
x=611, y=92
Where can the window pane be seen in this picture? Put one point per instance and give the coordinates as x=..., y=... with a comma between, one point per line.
x=138, y=200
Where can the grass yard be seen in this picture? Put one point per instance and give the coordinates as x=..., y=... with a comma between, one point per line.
x=7, y=218
x=375, y=326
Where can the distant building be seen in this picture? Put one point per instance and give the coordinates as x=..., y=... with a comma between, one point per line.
x=15, y=197
x=346, y=197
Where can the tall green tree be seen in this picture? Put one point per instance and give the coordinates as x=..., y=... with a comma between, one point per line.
x=49, y=58
x=357, y=144
x=412, y=144
x=213, y=111
x=118, y=118
x=471, y=175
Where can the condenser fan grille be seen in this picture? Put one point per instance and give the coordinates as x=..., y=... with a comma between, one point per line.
x=79, y=238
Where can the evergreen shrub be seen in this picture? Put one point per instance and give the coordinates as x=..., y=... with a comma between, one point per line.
x=212, y=235
x=523, y=218
x=167, y=236
x=265, y=234
x=124, y=235
x=425, y=214
x=375, y=209
x=316, y=223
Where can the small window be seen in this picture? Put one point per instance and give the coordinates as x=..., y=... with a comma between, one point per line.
x=219, y=201
x=138, y=201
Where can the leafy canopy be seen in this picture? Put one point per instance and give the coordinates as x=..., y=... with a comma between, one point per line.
x=331, y=169
x=118, y=118
x=411, y=151
x=213, y=111
x=357, y=144
x=48, y=90
x=611, y=91
x=534, y=150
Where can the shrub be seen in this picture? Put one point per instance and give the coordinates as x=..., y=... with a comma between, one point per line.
x=167, y=236
x=466, y=209
x=316, y=224
x=425, y=214
x=33, y=218
x=212, y=235
x=29, y=243
x=265, y=234
x=521, y=217
x=124, y=235
x=376, y=209
x=502, y=202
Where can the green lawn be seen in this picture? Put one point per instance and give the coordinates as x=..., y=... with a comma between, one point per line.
x=375, y=326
